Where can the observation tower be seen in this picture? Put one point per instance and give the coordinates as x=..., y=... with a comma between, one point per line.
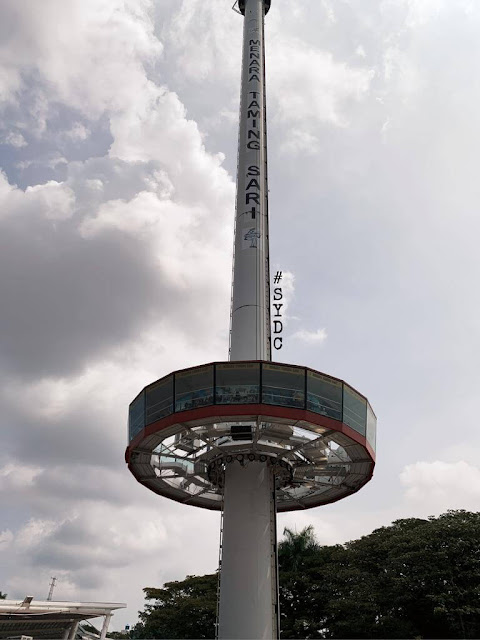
x=250, y=437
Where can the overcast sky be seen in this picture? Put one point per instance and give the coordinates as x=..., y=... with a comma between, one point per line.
x=118, y=136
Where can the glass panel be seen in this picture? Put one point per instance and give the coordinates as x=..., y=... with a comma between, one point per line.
x=159, y=399
x=237, y=383
x=194, y=388
x=175, y=465
x=283, y=385
x=324, y=395
x=371, y=427
x=354, y=410
x=136, y=415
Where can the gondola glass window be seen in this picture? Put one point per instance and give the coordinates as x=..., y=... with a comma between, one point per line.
x=136, y=415
x=324, y=395
x=371, y=427
x=354, y=410
x=284, y=386
x=237, y=383
x=159, y=399
x=194, y=388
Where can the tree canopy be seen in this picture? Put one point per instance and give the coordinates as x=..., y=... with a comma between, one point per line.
x=417, y=578
x=185, y=609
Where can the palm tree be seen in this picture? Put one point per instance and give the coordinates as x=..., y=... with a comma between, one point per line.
x=295, y=548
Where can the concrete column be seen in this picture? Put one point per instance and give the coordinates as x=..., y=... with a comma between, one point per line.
x=73, y=630
x=248, y=584
x=106, y=622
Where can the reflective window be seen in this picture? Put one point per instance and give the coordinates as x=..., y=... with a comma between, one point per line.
x=136, y=416
x=159, y=399
x=237, y=383
x=283, y=385
x=354, y=410
x=324, y=395
x=194, y=388
x=371, y=427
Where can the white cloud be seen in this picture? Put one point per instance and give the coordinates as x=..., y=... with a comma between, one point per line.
x=360, y=51
x=329, y=10
x=6, y=538
x=143, y=231
x=14, y=139
x=78, y=132
x=49, y=201
x=197, y=34
x=439, y=486
x=115, y=551
x=57, y=200
x=311, y=337
x=280, y=309
x=106, y=41
x=422, y=11
x=17, y=476
x=312, y=89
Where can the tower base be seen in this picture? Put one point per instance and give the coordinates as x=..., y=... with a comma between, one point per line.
x=248, y=574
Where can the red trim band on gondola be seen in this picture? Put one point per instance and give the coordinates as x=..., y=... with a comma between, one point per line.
x=247, y=411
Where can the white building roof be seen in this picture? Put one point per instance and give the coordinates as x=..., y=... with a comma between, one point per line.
x=48, y=618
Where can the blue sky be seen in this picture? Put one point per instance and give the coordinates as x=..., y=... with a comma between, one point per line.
x=118, y=152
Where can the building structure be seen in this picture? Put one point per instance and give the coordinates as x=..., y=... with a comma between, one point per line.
x=250, y=437
x=50, y=619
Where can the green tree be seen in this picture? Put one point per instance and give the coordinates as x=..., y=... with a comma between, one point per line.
x=185, y=609
x=296, y=549
x=3, y=596
x=414, y=578
x=296, y=554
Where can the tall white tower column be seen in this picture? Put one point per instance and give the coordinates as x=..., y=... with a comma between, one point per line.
x=250, y=313
x=248, y=581
x=248, y=589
